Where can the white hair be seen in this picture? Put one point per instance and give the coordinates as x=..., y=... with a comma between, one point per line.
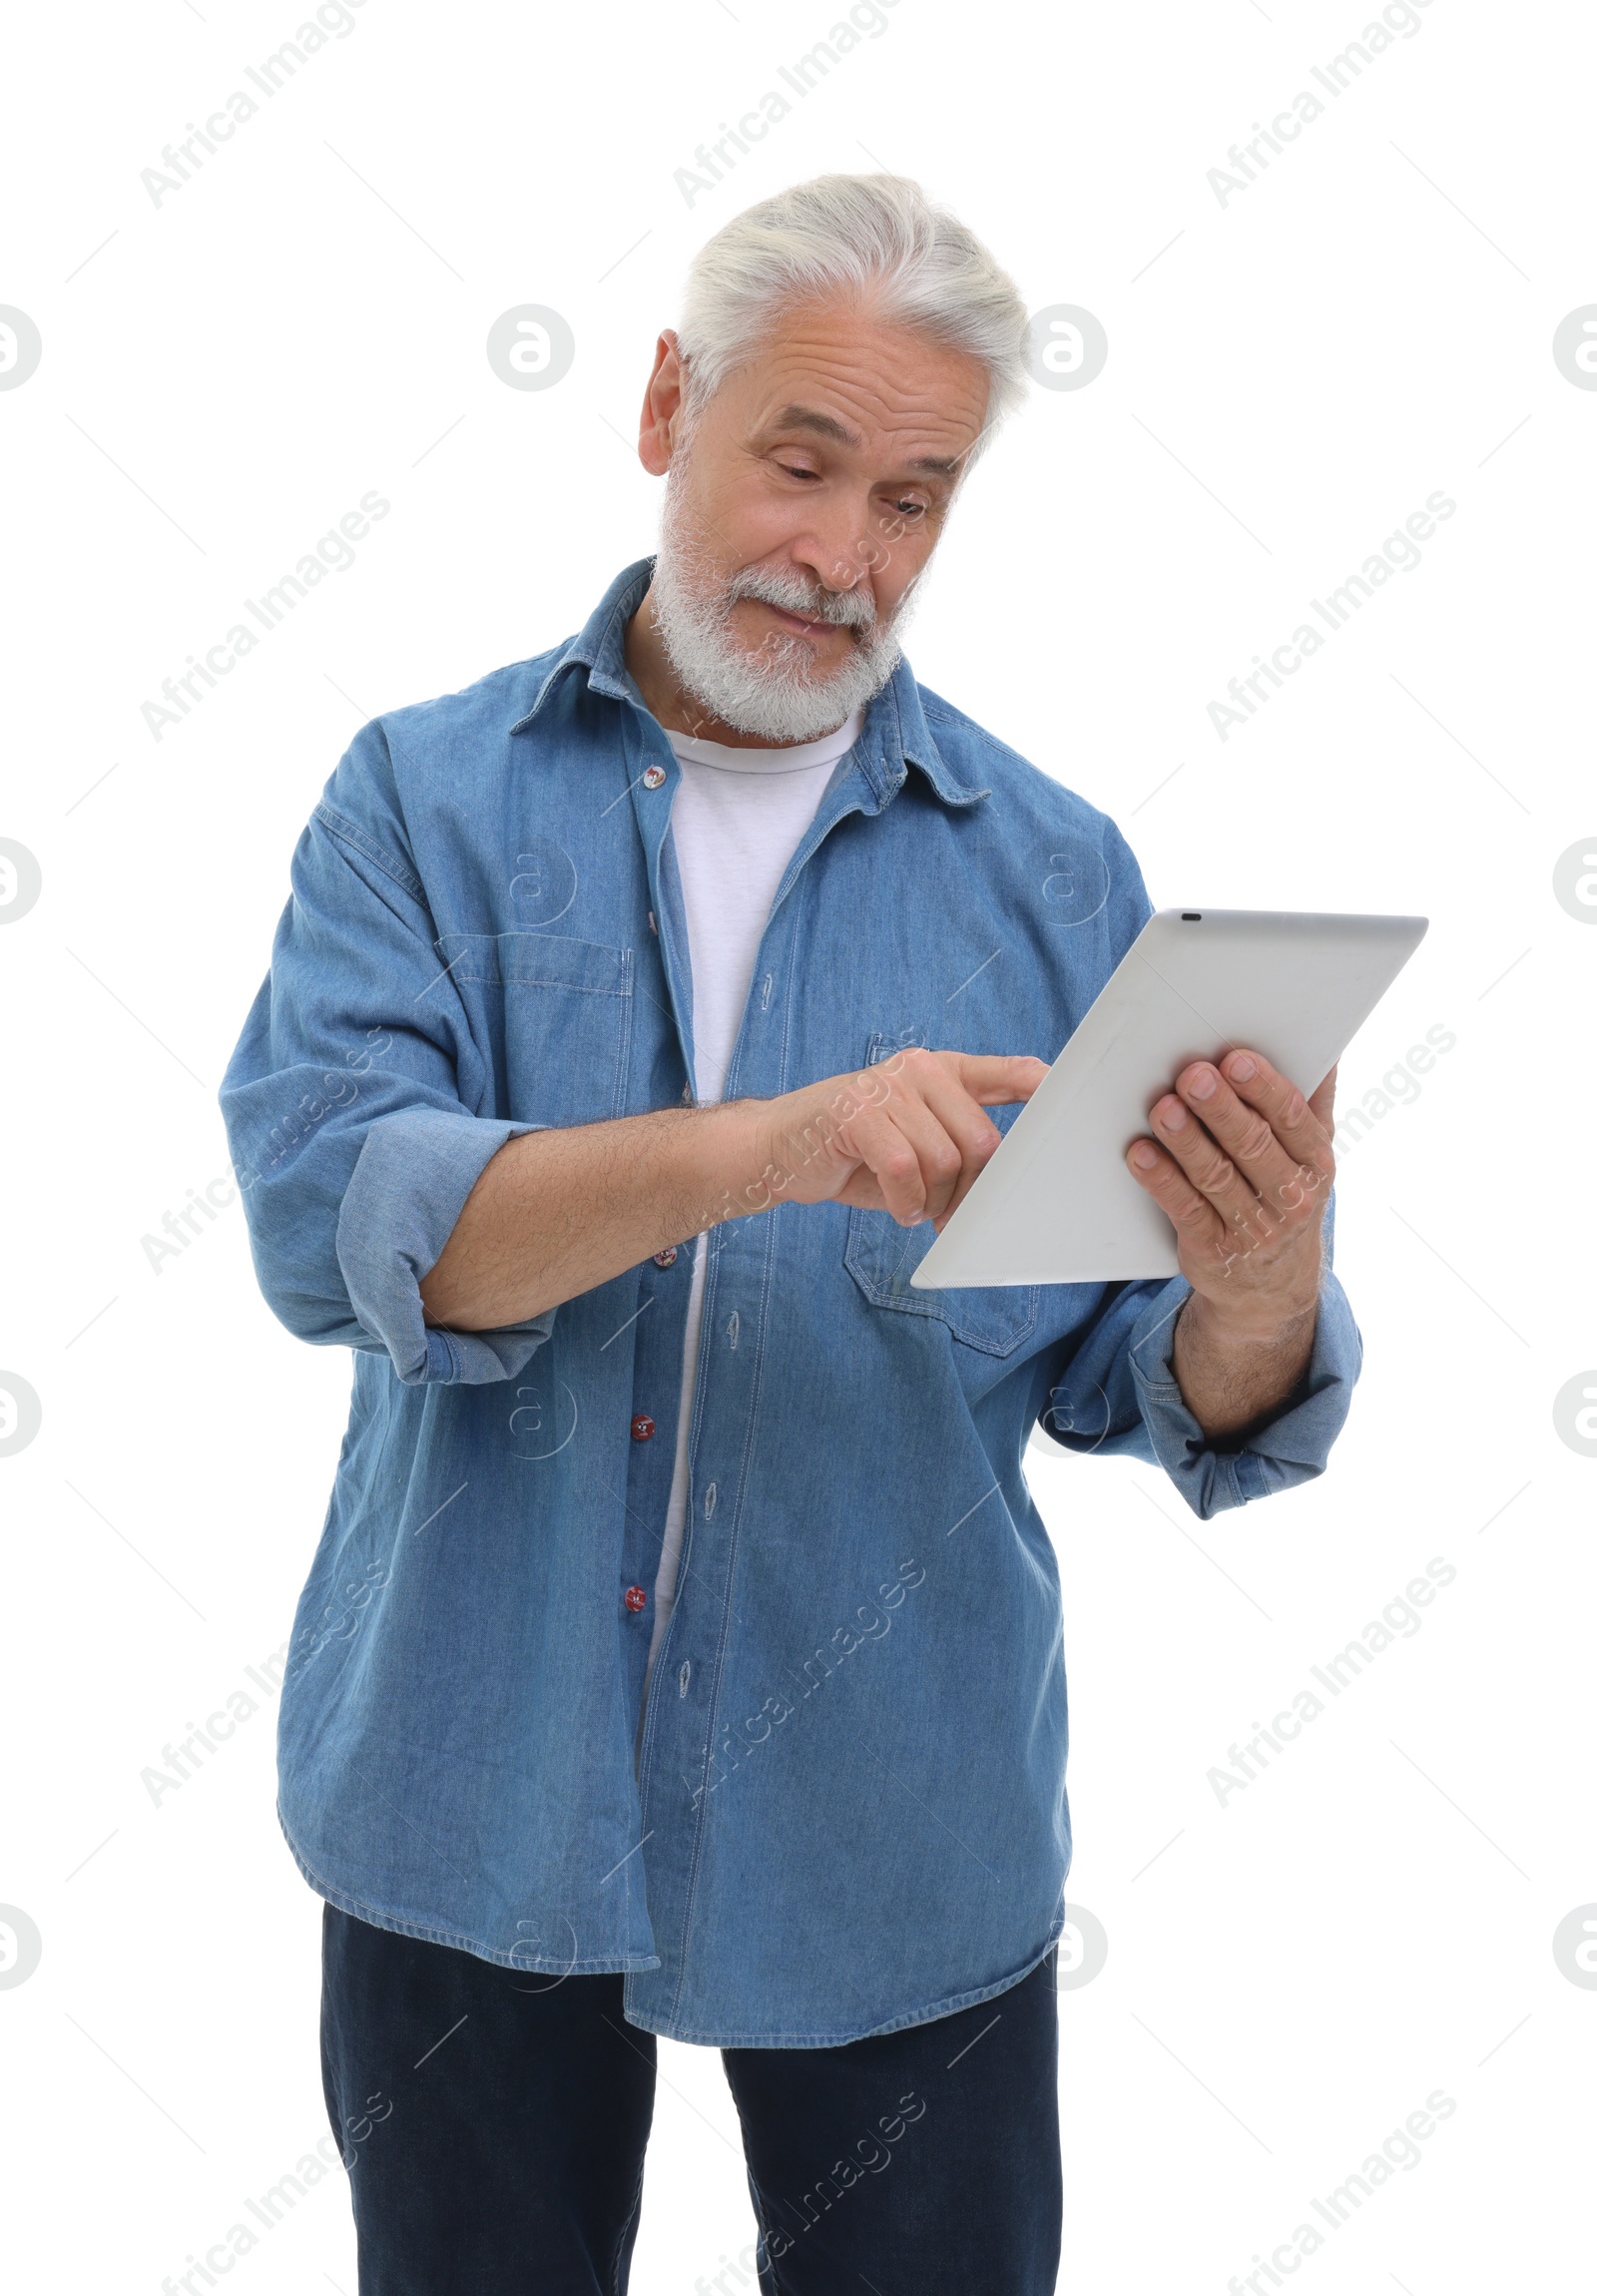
x=877, y=240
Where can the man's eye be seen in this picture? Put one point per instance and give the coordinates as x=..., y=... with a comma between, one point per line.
x=909, y=509
x=795, y=471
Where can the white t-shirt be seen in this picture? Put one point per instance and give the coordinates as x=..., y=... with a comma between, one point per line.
x=735, y=819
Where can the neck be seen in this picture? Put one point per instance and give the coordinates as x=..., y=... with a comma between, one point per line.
x=668, y=700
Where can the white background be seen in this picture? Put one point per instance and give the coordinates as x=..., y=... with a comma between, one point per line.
x=1289, y=375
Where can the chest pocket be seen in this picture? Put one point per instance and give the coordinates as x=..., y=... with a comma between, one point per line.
x=554, y=1016
x=881, y=1257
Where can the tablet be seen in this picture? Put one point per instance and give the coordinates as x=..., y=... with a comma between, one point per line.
x=1055, y=1202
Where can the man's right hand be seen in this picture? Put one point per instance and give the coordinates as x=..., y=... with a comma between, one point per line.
x=557, y=1211
x=907, y=1135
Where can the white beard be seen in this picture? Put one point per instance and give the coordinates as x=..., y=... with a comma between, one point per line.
x=773, y=691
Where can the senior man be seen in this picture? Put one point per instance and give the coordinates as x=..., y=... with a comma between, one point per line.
x=682, y=1653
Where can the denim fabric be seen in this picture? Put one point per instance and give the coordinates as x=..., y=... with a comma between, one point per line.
x=849, y=1813
x=494, y=2126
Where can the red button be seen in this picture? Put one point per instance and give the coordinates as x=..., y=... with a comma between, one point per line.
x=635, y=1598
x=667, y=1257
x=643, y=1426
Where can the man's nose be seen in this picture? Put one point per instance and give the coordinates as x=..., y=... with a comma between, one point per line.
x=841, y=554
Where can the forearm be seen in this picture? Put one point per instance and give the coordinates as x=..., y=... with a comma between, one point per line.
x=1232, y=1377
x=560, y=1209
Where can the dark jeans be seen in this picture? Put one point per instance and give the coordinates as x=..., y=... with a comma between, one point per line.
x=494, y=2122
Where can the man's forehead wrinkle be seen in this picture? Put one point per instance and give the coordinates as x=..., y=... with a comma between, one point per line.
x=873, y=378
x=860, y=389
x=858, y=409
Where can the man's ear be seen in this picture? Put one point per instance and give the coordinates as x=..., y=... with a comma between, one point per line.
x=662, y=406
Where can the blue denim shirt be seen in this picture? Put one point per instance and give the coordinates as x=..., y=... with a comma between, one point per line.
x=848, y=1810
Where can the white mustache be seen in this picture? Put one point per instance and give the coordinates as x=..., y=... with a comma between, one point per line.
x=845, y=609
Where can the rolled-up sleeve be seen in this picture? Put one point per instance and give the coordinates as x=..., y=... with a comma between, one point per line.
x=1116, y=1391
x=413, y=1174
x=1292, y=1447
x=352, y=1099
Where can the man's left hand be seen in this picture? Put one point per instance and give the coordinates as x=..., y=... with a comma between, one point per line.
x=1243, y=1165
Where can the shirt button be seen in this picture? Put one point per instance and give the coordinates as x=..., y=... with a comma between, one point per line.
x=635, y=1598
x=643, y=1426
x=667, y=1257
x=653, y=776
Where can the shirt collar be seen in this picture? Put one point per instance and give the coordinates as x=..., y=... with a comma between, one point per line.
x=894, y=735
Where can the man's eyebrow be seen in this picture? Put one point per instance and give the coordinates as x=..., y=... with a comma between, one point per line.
x=823, y=425
x=810, y=418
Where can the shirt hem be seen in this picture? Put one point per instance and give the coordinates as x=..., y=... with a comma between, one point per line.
x=668, y=2029
x=612, y=1965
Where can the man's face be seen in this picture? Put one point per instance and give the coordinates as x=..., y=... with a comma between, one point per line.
x=800, y=510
